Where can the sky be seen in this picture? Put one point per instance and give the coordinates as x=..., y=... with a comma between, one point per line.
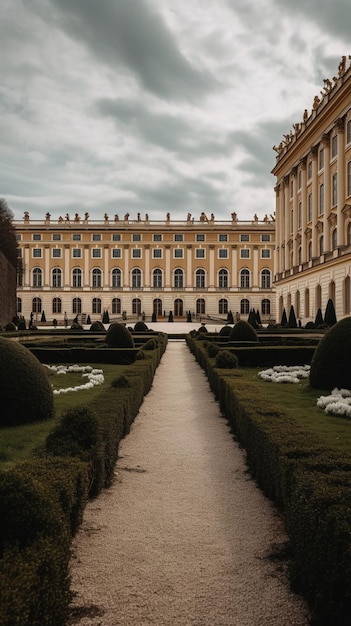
x=156, y=106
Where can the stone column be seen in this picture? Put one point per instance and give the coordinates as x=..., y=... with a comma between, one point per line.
x=340, y=126
x=327, y=192
x=314, y=152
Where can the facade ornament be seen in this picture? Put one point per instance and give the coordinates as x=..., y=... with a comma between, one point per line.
x=26, y=216
x=316, y=102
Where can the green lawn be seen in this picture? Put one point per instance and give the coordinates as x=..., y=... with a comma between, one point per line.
x=17, y=443
x=299, y=400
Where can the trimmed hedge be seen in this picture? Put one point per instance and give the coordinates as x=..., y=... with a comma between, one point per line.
x=309, y=482
x=42, y=500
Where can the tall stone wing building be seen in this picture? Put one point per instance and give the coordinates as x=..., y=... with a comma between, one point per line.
x=313, y=205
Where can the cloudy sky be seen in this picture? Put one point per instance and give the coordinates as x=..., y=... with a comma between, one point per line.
x=156, y=106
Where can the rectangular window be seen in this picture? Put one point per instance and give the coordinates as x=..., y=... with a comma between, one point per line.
x=76, y=253
x=116, y=237
x=349, y=178
x=348, y=132
x=157, y=237
x=200, y=253
x=178, y=237
x=244, y=237
x=309, y=170
x=37, y=253
x=223, y=253
x=299, y=178
x=178, y=253
x=245, y=253
x=200, y=237
x=321, y=159
x=36, y=237
x=299, y=215
x=56, y=253
x=136, y=237
x=265, y=253
x=96, y=237
x=265, y=237
x=309, y=209
x=76, y=236
x=321, y=199
x=291, y=189
x=157, y=253
x=18, y=237
x=136, y=253
x=19, y=253
x=116, y=253
x=56, y=237
x=334, y=146
x=335, y=189
x=222, y=237
x=96, y=253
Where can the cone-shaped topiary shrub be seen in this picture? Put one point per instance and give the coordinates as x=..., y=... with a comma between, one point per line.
x=331, y=362
x=243, y=331
x=25, y=392
x=140, y=327
x=330, y=315
x=118, y=336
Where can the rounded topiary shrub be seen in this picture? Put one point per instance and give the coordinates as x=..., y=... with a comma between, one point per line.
x=225, y=331
x=140, y=327
x=118, y=336
x=226, y=359
x=212, y=349
x=97, y=326
x=26, y=394
x=243, y=331
x=331, y=361
x=10, y=327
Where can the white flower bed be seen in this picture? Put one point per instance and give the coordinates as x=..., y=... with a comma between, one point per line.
x=285, y=374
x=94, y=376
x=337, y=403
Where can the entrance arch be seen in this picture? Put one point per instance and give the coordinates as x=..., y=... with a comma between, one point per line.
x=178, y=307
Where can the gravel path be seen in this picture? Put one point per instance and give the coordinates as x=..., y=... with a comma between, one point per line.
x=183, y=536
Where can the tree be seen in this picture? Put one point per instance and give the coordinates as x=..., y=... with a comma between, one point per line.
x=43, y=316
x=8, y=243
x=292, y=318
x=284, y=320
x=329, y=315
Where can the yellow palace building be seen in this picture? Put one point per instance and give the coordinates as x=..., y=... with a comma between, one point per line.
x=313, y=205
x=138, y=266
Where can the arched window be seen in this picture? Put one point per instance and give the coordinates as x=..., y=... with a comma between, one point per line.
x=245, y=279
x=36, y=305
x=265, y=279
x=200, y=279
x=332, y=290
x=157, y=307
x=57, y=278
x=157, y=278
x=96, y=276
x=223, y=279
x=96, y=306
x=307, y=302
x=347, y=294
x=297, y=304
x=37, y=277
x=266, y=306
x=318, y=297
x=244, y=306
x=116, y=278
x=19, y=305
x=299, y=255
x=57, y=305
x=223, y=306
x=76, y=306
x=178, y=307
x=334, y=239
x=200, y=306
x=77, y=278
x=116, y=306
x=136, y=278
x=136, y=306
x=178, y=278
x=310, y=251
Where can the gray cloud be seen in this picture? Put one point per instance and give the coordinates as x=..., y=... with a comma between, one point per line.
x=133, y=35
